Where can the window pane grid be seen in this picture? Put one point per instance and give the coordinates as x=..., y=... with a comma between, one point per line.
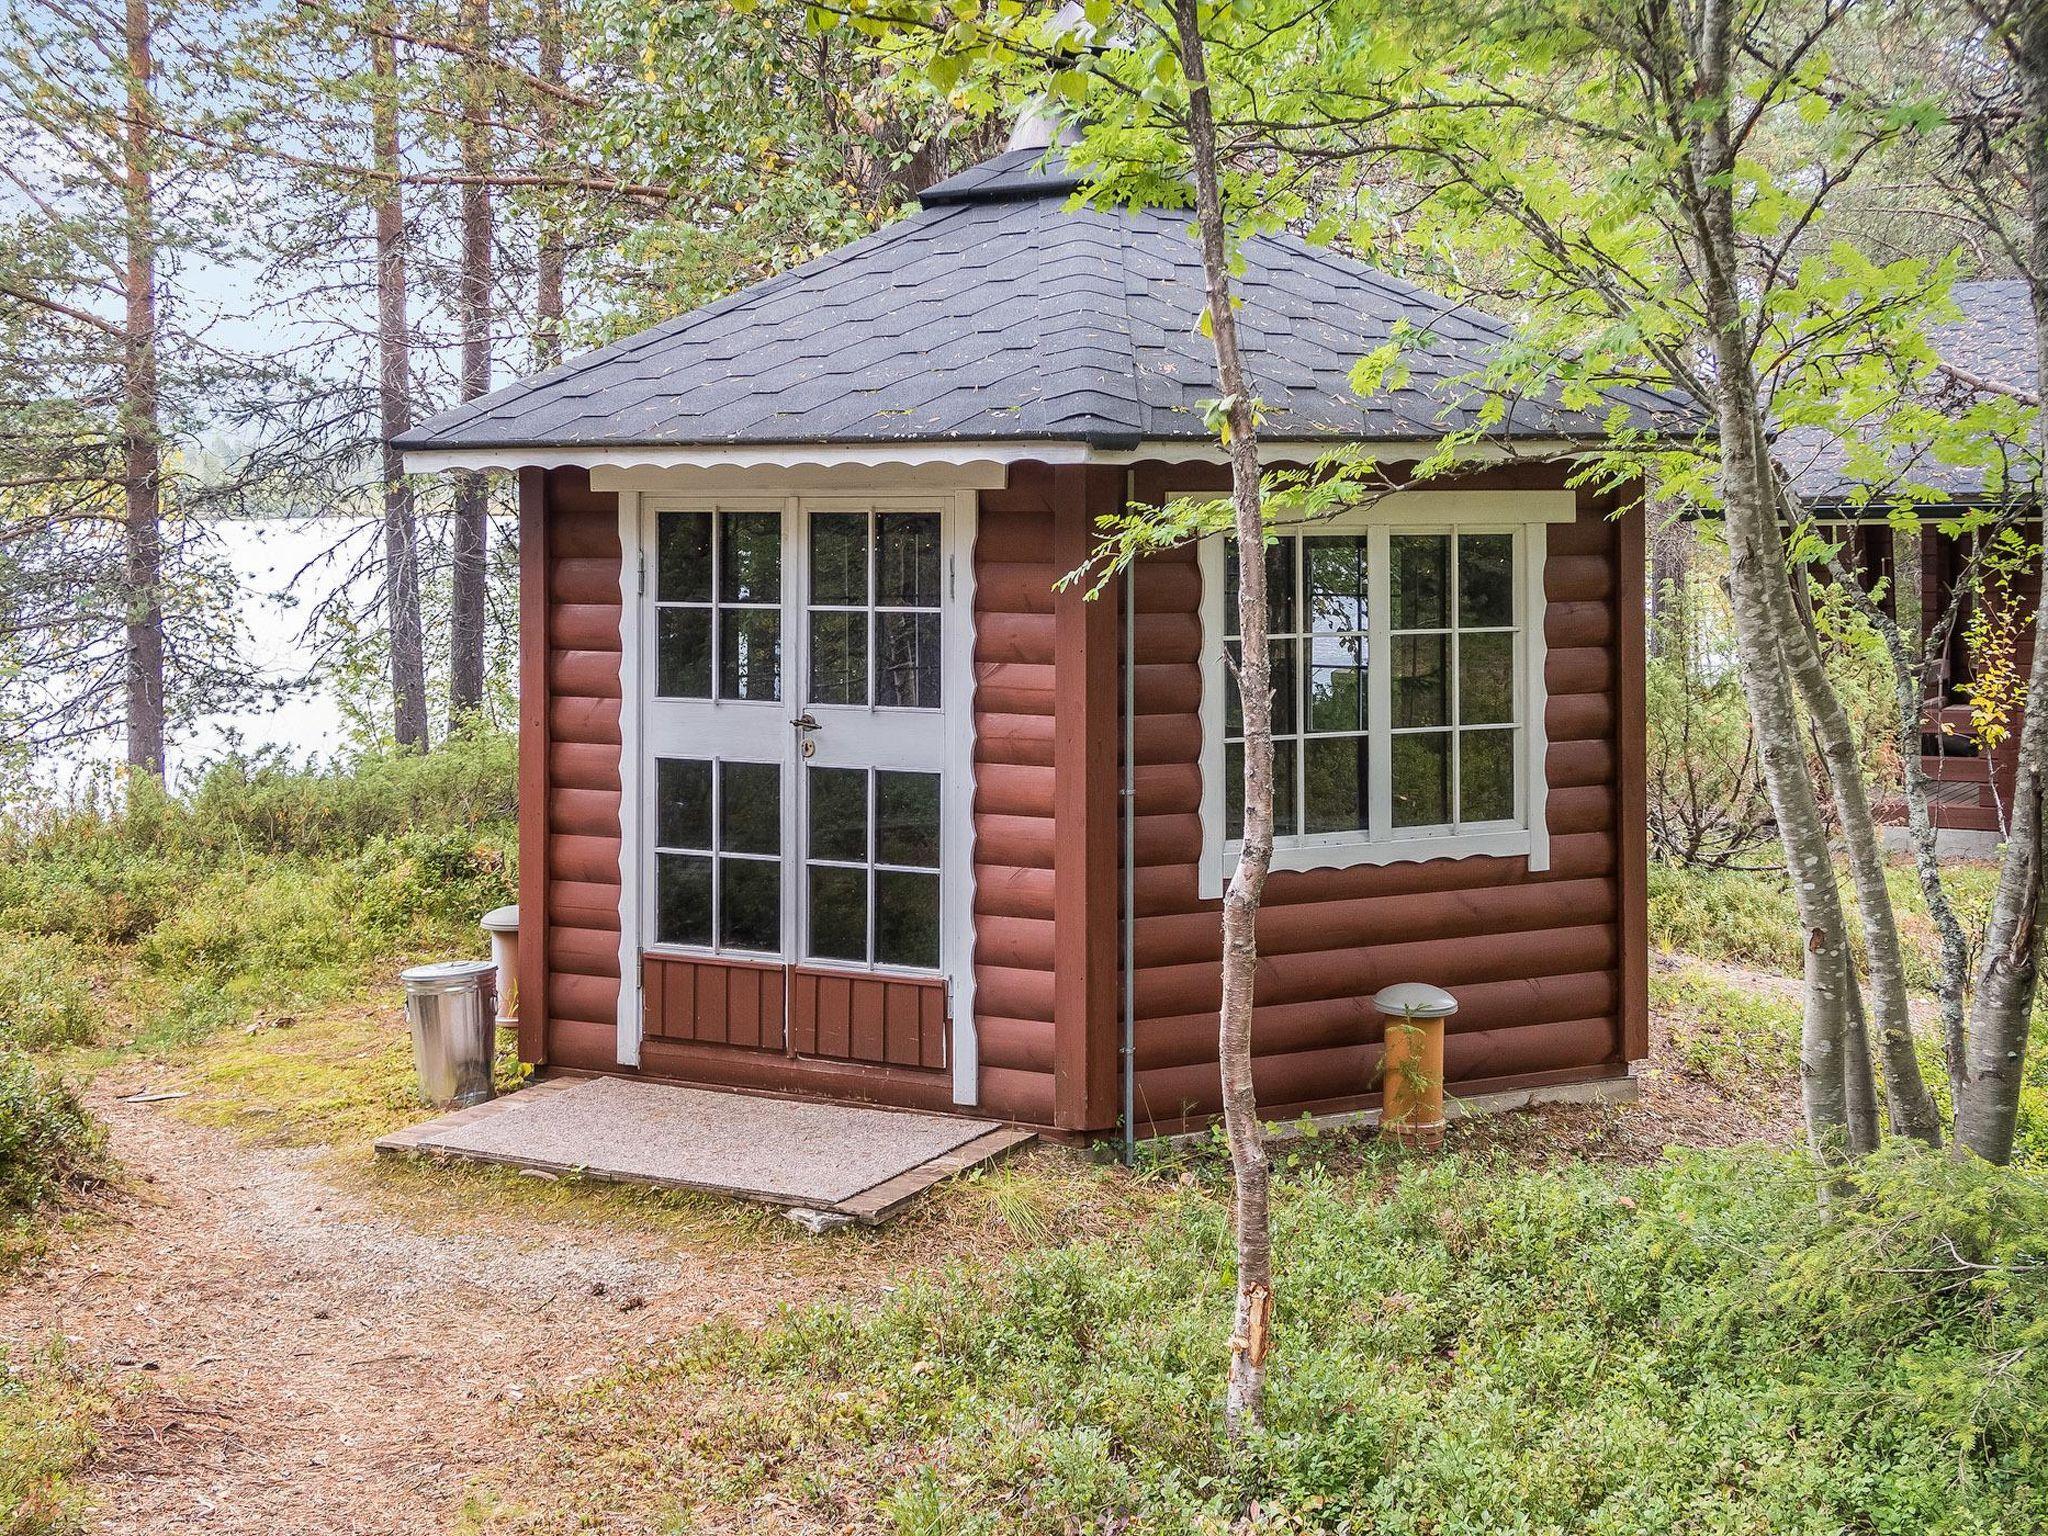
x=1445, y=602
x=718, y=605
x=874, y=609
x=718, y=856
x=873, y=910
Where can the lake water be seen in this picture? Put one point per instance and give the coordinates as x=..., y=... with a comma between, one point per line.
x=281, y=580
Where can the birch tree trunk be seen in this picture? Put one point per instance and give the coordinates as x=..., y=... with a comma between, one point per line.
x=472, y=492
x=394, y=398
x=1988, y=1094
x=141, y=408
x=1757, y=593
x=1251, y=1328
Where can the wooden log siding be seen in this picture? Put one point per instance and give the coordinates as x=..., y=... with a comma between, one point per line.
x=1554, y=993
x=571, y=604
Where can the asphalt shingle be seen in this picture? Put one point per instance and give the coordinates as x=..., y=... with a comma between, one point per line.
x=998, y=312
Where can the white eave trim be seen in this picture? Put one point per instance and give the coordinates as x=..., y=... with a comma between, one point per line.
x=988, y=454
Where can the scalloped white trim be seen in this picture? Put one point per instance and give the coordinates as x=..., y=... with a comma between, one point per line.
x=996, y=454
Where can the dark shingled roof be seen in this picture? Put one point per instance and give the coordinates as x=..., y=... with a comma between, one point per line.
x=1993, y=341
x=997, y=312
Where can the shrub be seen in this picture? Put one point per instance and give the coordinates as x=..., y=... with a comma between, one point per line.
x=44, y=1000
x=1689, y=1347
x=48, y=1143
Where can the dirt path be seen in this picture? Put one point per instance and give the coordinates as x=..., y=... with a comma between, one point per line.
x=314, y=1365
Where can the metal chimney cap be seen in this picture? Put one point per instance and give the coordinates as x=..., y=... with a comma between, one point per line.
x=1415, y=1000
x=500, y=920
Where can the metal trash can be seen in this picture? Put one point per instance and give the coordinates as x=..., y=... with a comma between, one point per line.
x=449, y=1007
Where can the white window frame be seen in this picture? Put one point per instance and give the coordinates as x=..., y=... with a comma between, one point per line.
x=1525, y=514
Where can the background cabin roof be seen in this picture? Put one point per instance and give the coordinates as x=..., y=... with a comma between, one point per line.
x=996, y=312
x=1993, y=341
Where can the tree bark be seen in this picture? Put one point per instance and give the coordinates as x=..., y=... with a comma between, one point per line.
x=471, y=531
x=1988, y=1094
x=394, y=405
x=1251, y=1329
x=1756, y=586
x=141, y=426
x=551, y=256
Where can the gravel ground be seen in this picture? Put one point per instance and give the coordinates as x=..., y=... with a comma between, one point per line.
x=317, y=1359
x=315, y=1364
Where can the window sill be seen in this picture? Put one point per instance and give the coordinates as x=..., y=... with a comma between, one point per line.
x=1300, y=856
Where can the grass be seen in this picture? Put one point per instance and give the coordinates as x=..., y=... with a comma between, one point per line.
x=1463, y=1347
x=48, y=1414
x=1740, y=1035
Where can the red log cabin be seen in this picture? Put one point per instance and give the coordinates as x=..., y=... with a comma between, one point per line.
x=1918, y=532
x=830, y=787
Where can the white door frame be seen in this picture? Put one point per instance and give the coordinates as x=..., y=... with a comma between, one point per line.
x=640, y=738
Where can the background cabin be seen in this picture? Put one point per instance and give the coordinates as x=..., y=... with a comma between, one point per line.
x=1990, y=349
x=829, y=787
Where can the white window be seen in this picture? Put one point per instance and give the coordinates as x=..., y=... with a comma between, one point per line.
x=1407, y=667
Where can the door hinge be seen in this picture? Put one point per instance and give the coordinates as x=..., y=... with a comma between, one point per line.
x=641, y=559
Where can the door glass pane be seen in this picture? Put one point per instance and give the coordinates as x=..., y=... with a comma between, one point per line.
x=683, y=561
x=682, y=813
x=907, y=818
x=1418, y=572
x=839, y=657
x=750, y=557
x=750, y=808
x=839, y=913
x=1336, y=775
x=750, y=653
x=682, y=883
x=1486, y=775
x=839, y=814
x=1422, y=780
x=750, y=903
x=682, y=653
x=907, y=660
x=1486, y=678
x=906, y=919
x=1486, y=579
x=906, y=559
x=1421, y=686
x=839, y=559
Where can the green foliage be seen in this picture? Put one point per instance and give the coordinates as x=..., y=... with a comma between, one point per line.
x=48, y=1143
x=264, y=889
x=47, y=1413
x=1689, y=1347
x=1738, y=1035
x=1745, y=919
x=44, y=1000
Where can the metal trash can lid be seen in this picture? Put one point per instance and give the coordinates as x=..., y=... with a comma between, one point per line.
x=1415, y=1000
x=446, y=975
x=500, y=920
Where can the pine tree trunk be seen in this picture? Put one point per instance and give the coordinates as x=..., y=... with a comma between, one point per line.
x=141, y=430
x=551, y=258
x=1987, y=1098
x=394, y=401
x=471, y=531
x=1251, y=1330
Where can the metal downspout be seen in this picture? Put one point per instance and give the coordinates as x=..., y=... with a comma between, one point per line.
x=1129, y=914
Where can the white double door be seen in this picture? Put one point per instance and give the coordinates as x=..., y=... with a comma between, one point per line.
x=804, y=684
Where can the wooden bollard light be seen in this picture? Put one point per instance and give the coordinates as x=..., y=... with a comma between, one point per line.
x=1412, y=1063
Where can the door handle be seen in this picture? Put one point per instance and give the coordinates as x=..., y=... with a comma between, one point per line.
x=805, y=723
